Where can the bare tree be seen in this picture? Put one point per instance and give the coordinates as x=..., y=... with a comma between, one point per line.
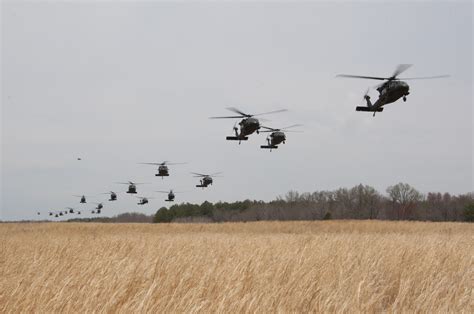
x=404, y=199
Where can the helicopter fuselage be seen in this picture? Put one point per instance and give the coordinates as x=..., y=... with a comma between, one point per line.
x=162, y=171
x=143, y=201
x=132, y=189
x=205, y=182
x=391, y=92
x=277, y=138
x=170, y=197
x=113, y=197
x=248, y=126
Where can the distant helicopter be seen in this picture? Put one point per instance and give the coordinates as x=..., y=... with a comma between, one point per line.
x=248, y=124
x=390, y=91
x=99, y=206
x=83, y=198
x=113, y=196
x=132, y=186
x=206, y=179
x=143, y=200
x=171, y=195
x=71, y=210
x=163, y=170
x=38, y=213
x=277, y=136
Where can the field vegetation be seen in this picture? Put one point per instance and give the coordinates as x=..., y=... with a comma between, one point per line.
x=348, y=266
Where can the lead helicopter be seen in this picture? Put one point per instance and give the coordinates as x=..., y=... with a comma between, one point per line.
x=277, y=136
x=143, y=200
x=171, y=195
x=132, y=186
x=163, y=170
x=206, y=179
x=390, y=91
x=248, y=124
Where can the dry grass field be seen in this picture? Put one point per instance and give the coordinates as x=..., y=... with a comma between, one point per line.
x=335, y=266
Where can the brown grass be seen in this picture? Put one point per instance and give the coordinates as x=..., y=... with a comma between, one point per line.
x=341, y=266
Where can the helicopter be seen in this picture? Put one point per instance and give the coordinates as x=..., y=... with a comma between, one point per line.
x=71, y=210
x=113, y=196
x=38, y=213
x=99, y=206
x=390, y=91
x=248, y=124
x=143, y=200
x=206, y=179
x=171, y=195
x=83, y=198
x=277, y=136
x=132, y=186
x=163, y=170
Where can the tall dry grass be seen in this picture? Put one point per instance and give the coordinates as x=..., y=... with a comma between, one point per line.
x=341, y=266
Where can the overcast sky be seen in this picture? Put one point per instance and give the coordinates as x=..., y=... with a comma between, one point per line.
x=121, y=83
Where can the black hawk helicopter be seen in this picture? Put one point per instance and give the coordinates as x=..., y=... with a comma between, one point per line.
x=163, y=170
x=71, y=210
x=390, y=91
x=83, y=198
x=113, y=196
x=171, y=195
x=277, y=136
x=206, y=179
x=132, y=186
x=248, y=124
x=143, y=200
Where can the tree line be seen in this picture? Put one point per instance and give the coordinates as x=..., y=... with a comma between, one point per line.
x=401, y=202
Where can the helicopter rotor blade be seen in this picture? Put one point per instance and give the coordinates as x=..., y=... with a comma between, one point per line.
x=363, y=77
x=270, y=112
x=233, y=109
x=228, y=117
x=291, y=126
x=268, y=128
x=199, y=174
x=424, y=77
x=215, y=174
x=399, y=70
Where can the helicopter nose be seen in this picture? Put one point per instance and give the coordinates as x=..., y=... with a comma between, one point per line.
x=405, y=86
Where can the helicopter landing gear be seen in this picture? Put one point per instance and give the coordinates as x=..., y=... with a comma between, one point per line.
x=404, y=98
